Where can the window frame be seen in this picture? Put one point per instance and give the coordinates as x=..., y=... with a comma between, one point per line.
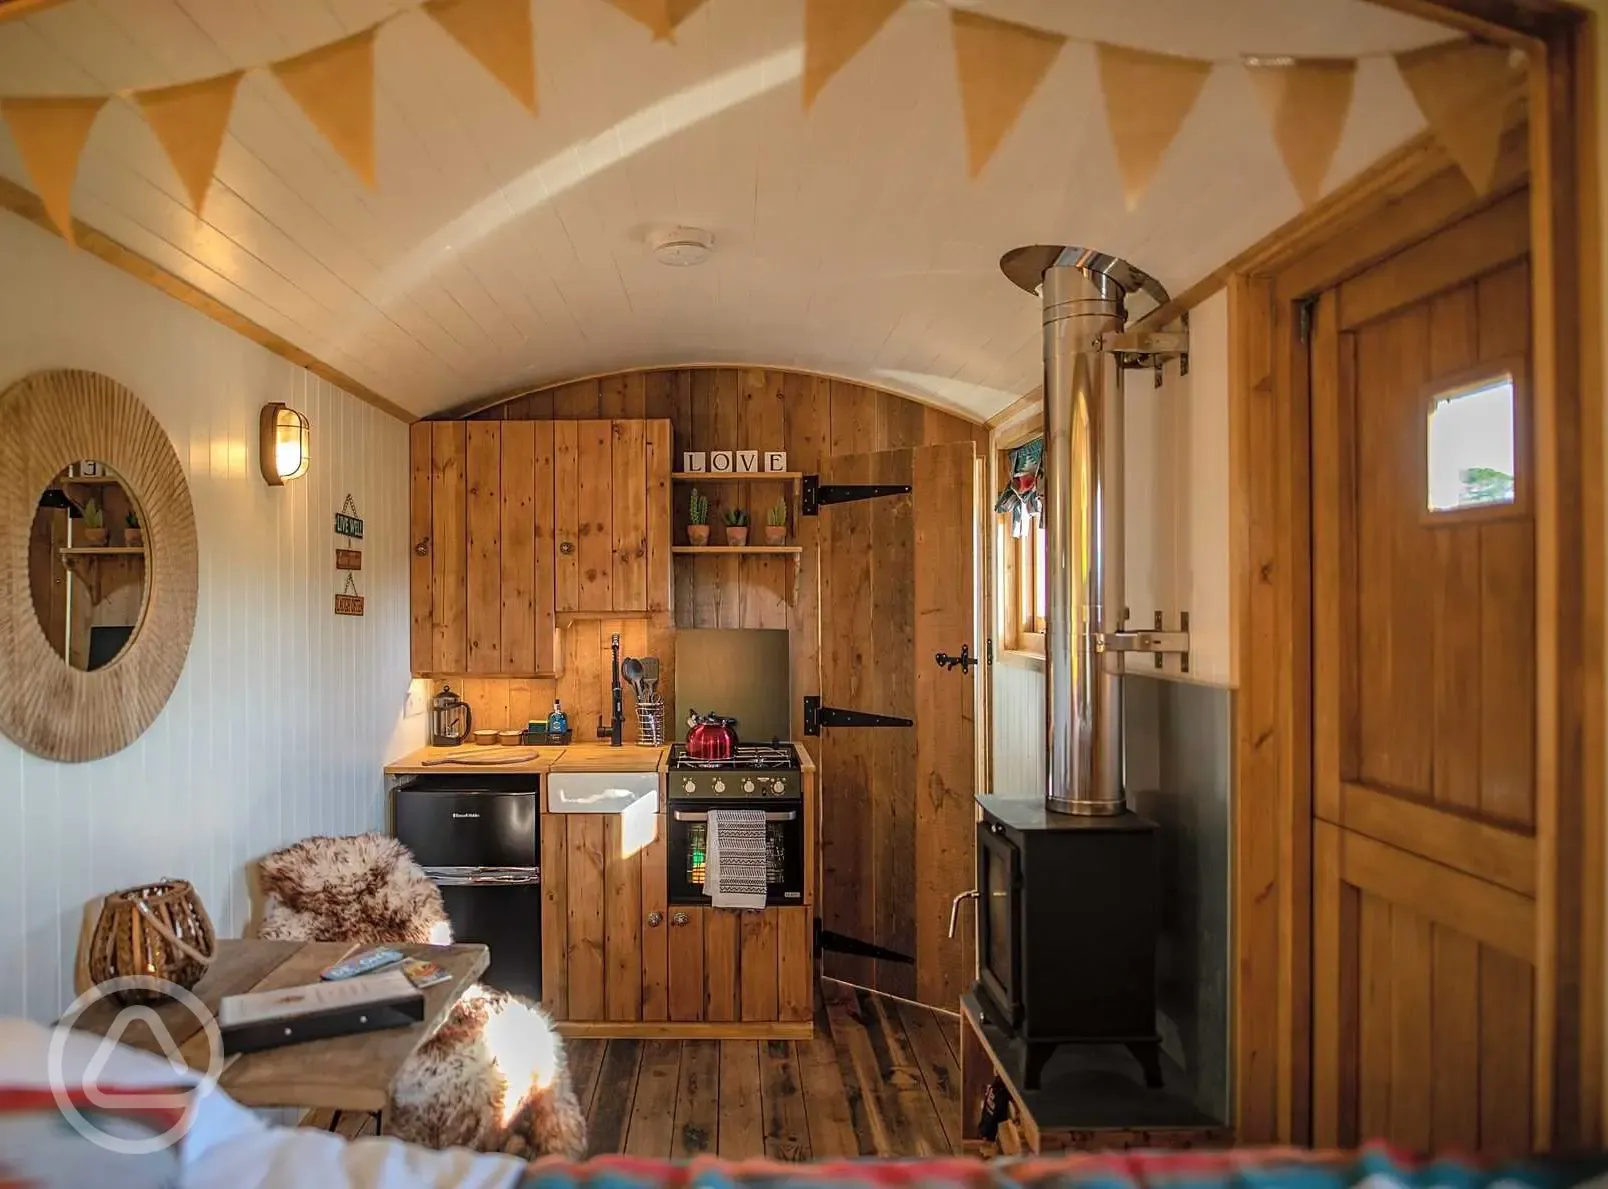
x=1449, y=385
x=1022, y=572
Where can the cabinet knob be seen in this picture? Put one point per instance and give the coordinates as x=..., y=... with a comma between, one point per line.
x=423, y=547
x=566, y=547
x=654, y=919
x=678, y=918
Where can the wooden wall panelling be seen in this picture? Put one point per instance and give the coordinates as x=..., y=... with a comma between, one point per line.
x=623, y=925
x=449, y=548
x=806, y=425
x=483, y=475
x=521, y=598
x=594, y=528
x=421, y=561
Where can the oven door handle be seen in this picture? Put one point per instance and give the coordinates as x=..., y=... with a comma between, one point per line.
x=791, y=815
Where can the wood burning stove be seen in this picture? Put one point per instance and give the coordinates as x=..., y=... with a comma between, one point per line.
x=1067, y=916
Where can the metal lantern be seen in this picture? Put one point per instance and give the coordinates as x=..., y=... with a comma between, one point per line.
x=286, y=443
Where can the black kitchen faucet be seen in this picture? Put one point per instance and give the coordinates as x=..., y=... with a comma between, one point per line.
x=615, y=734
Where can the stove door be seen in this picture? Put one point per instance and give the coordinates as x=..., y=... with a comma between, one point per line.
x=999, y=921
x=688, y=838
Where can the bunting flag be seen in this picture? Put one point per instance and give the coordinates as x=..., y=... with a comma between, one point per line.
x=1307, y=101
x=1462, y=89
x=1000, y=65
x=50, y=134
x=334, y=86
x=190, y=121
x=662, y=17
x=836, y=30
x=1147, y=97
x=498, y=34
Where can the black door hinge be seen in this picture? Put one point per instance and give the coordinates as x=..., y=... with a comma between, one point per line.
x=817, y=716
x=990, y=655
x=817, y=493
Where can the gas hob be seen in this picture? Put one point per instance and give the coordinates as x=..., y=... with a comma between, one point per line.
x=766, y=771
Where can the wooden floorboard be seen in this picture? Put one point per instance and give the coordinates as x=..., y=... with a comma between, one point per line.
x=880, y=1078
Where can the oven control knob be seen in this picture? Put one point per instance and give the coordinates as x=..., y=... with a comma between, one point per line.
x=720, y=785
x=778, y=787
x=689, y=786
x=748, y=786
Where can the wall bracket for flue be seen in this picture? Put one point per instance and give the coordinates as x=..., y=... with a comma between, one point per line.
x=1147, y=348
x=1157, y=641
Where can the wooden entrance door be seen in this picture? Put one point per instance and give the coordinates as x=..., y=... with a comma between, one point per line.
x=1425, y=1030
x=898, y=585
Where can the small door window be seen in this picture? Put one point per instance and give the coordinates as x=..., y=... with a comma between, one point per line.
x=1473, y=448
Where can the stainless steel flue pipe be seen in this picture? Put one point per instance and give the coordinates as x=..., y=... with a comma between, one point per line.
x=1081, y=481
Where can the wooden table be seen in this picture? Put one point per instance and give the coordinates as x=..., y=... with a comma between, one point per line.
x=344, y=1073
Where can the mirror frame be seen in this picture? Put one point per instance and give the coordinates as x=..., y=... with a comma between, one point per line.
x=49, y=420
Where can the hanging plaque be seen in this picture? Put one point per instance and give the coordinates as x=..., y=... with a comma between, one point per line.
x=347, y=523
x=349, y=602
x=348, y=559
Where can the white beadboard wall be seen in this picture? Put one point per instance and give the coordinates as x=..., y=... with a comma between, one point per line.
x=285, y=713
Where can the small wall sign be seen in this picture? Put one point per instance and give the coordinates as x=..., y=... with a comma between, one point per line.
x=748, y=461
x=776, y=460
x=348, y=559
x=349, y=602
x=347, y=523
x=721, y=462
x=693, y=460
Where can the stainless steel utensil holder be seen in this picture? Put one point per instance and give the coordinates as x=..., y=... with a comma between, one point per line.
x=650, y=715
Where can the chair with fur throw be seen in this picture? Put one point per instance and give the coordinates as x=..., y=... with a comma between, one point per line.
x=494, y=1077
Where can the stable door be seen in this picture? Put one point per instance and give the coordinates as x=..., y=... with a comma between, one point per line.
x=1424, y=857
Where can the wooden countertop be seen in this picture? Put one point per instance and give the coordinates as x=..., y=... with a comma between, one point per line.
x=524, y=761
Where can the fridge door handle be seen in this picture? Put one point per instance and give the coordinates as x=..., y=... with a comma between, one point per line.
x=954, y=908
x=455, y=877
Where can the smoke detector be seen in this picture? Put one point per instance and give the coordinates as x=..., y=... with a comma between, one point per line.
x=681, y=246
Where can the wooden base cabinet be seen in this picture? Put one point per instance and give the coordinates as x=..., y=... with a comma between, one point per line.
x=516, y=523
x=617, y=959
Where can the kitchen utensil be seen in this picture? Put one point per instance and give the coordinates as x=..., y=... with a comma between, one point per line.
x=631, y=669
x=650, y=669
x=450, y=719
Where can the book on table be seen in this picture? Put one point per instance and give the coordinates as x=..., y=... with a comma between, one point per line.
x=318, y=1011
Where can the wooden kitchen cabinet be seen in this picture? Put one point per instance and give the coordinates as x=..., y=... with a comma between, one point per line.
x=514, y=523
x=617, y=959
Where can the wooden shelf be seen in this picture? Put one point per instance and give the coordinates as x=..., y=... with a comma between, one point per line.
x=736, y=476
x=773, y=549
x=104, y=551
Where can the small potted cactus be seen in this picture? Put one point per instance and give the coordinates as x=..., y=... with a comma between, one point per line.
x=776, y=524
x=698, y=518
x=94, y=524
x=736, y=527
x=133, y=534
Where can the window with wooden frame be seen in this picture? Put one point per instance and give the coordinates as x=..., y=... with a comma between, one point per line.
x=1022, y=589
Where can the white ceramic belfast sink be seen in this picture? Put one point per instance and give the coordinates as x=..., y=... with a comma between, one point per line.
x=602, y=792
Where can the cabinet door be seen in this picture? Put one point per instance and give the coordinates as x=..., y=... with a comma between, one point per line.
x=439, y=565
x=483, y=486
x=421, y=638
x=622, y=920
x=527, y=535
x=658, y=462
x=655, y=927
x=612, y=515
x=593, y=527
x=686, y=959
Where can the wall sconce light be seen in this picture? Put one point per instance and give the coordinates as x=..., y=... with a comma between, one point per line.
x=285, y=444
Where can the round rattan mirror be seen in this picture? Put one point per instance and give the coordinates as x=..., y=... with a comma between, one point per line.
x=65, y=435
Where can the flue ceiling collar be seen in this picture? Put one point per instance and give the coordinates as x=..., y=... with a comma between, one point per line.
x=681, y=246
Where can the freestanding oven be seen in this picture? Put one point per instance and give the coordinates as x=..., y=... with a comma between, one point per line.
x=1085, y=890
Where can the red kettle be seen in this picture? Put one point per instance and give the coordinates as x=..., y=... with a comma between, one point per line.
x=711, y=736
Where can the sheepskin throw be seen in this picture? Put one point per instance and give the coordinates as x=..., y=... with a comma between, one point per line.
x=493, y=1078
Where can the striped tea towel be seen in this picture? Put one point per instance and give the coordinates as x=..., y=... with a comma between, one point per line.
x=734, y=864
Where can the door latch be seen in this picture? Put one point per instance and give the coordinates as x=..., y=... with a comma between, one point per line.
x=965, y=660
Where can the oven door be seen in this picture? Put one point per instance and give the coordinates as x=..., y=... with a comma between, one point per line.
x=784, y=849
x=999, y=920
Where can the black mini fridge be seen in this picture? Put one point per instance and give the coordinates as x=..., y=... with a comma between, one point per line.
x=478, y=839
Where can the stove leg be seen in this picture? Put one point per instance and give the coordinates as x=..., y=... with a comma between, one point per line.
x=1148, y=1054
x=1033, y=1064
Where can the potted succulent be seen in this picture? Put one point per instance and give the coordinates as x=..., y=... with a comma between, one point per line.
x=133, y=534
x=94, y=523
x=776, y=524
x=736, y=527
x=698, y=518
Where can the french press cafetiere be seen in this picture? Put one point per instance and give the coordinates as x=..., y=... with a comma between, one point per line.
x=449, y=719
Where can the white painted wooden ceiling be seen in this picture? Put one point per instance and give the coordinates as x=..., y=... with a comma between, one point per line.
x=502, y=251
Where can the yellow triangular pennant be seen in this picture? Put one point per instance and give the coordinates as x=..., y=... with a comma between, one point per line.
x=50, y=134
x=1307, y=100
x=662, y=17
x=334, y=86
x=190, y=121
x=1147, y=97
x=1462, y=89
x=836, y=30
x=498, y=34
x=1000, y=65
